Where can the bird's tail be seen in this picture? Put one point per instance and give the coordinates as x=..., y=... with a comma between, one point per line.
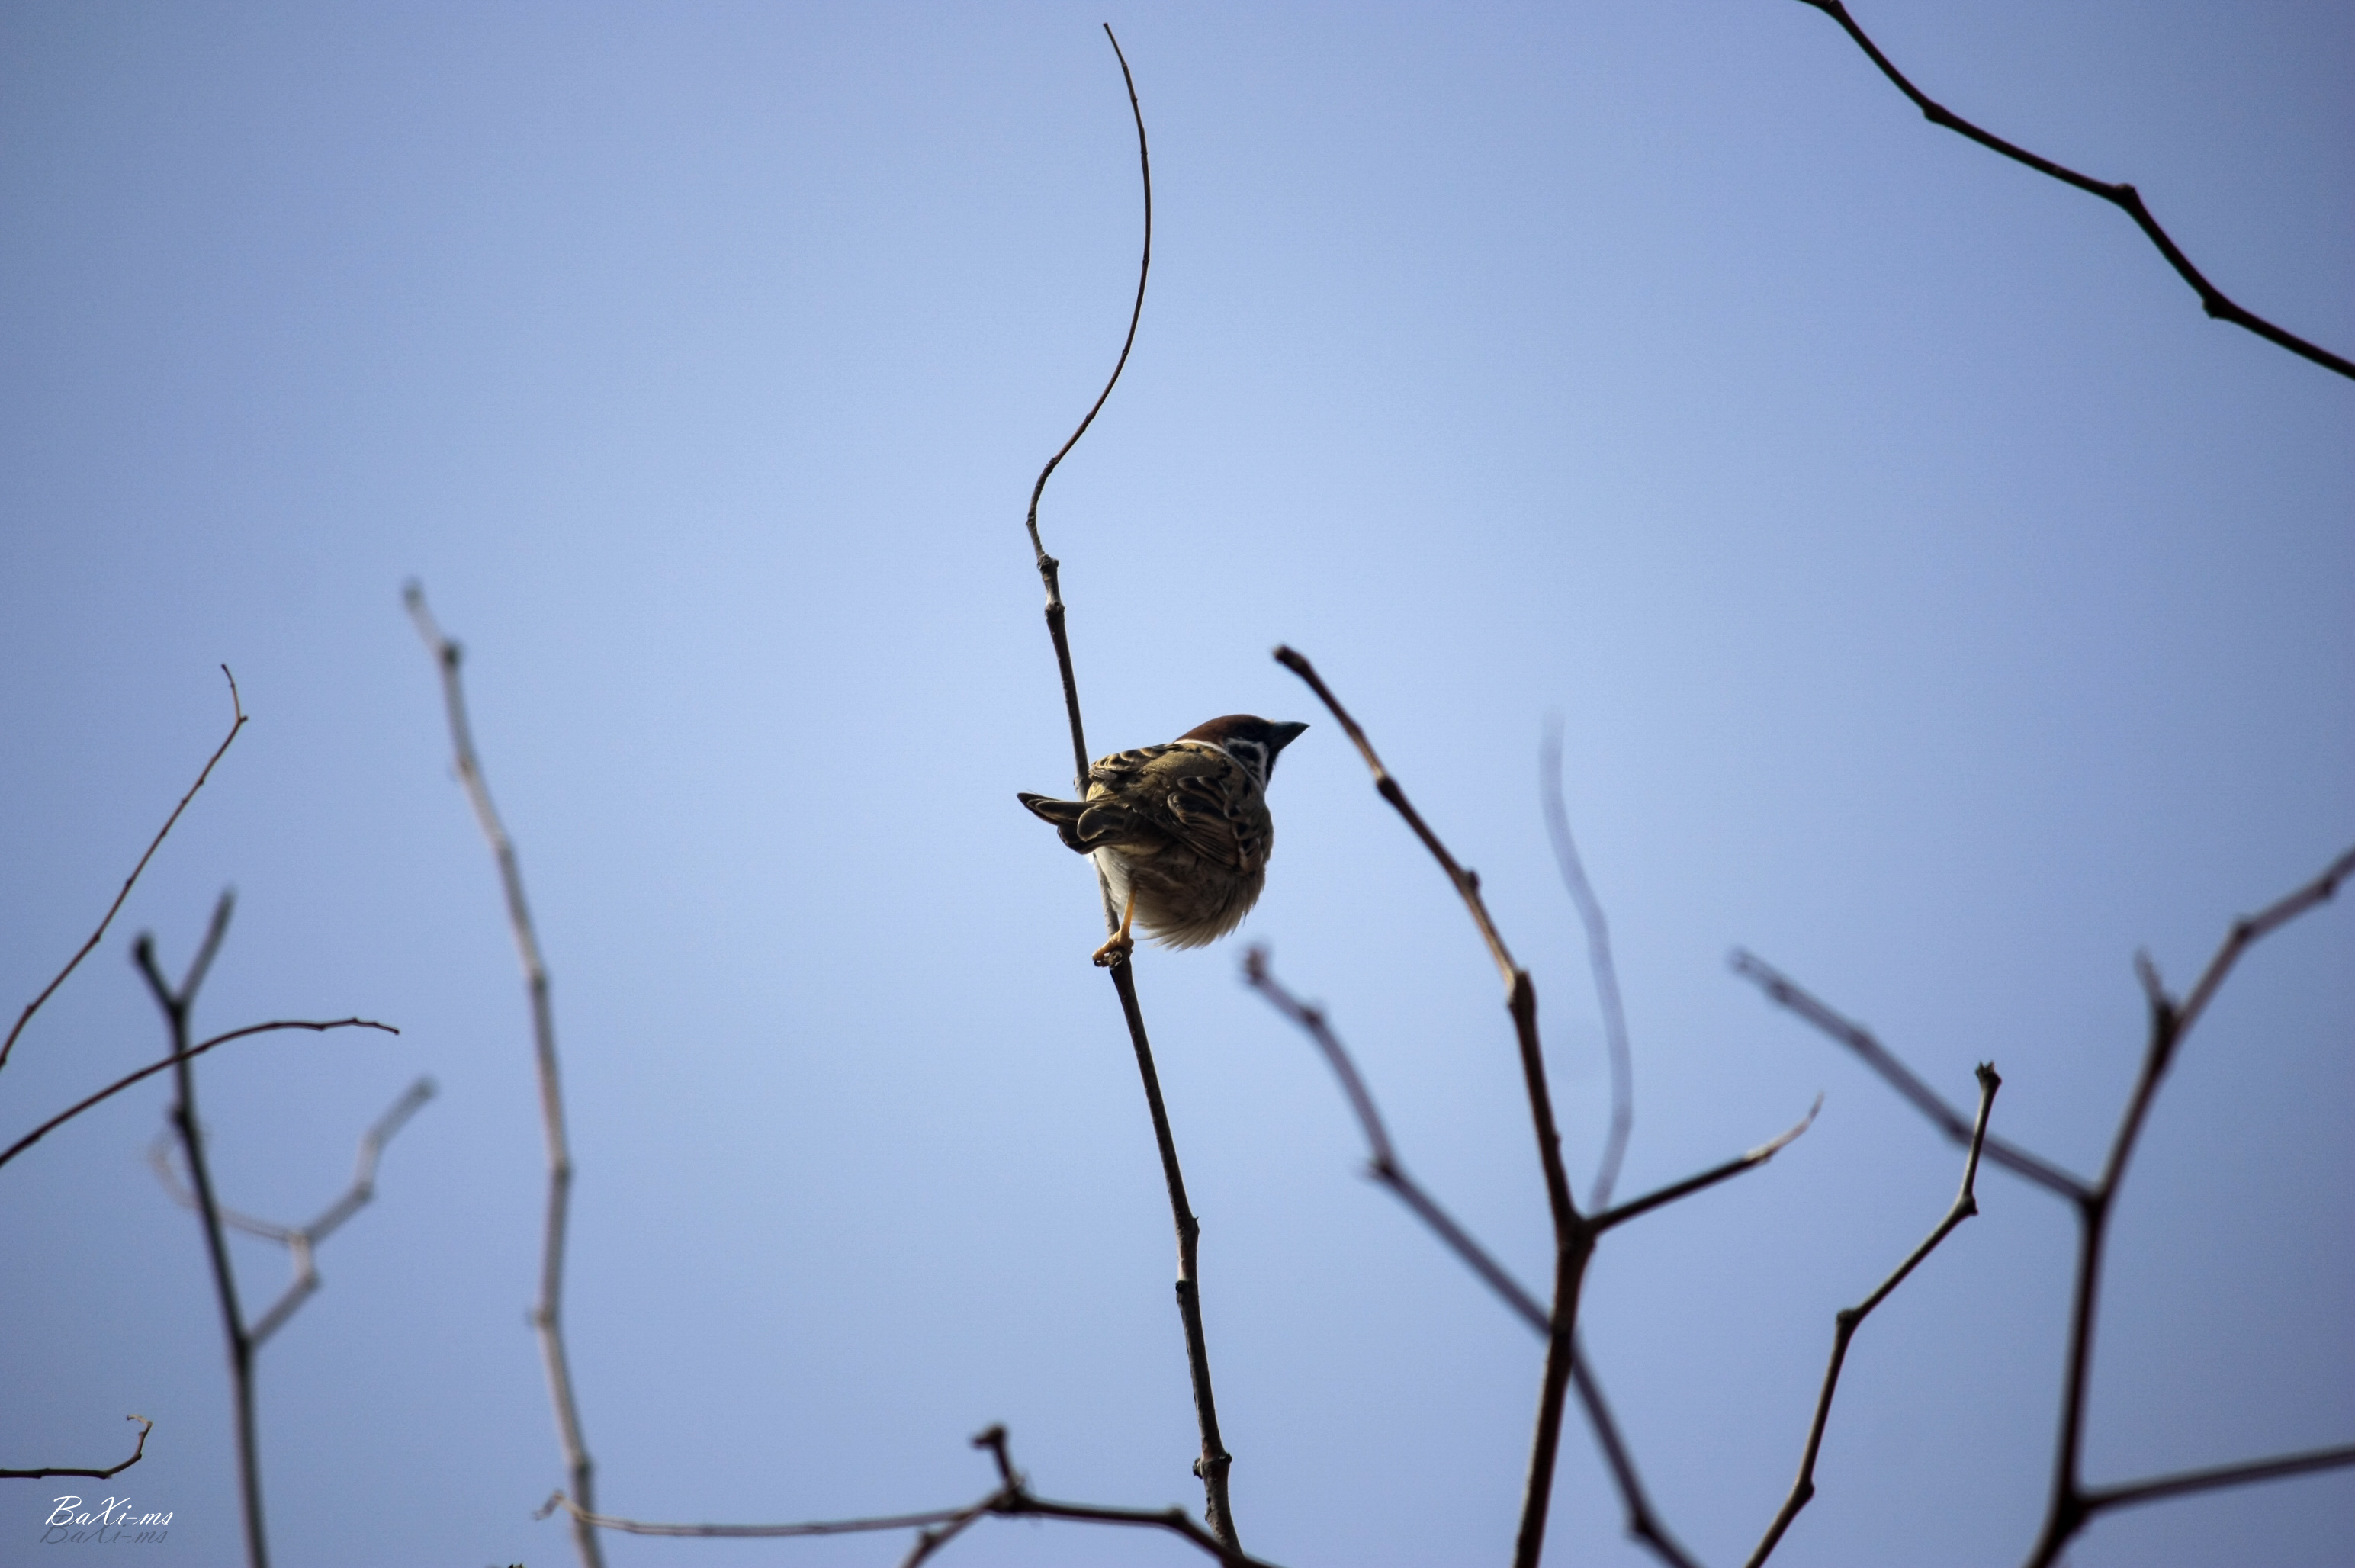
x=1063, y=815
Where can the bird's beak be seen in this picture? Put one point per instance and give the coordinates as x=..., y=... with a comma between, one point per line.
x=1279, y=736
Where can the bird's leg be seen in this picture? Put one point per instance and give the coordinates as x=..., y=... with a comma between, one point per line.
x=1116, y=951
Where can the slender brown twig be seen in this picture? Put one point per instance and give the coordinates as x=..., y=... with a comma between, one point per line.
x=1214, y=1462
x=937, y=1527
x=1749, y=1160
x=1598, y=962
x=153, y=1068
x=1573, y=1233
x=301, y=1242
x=546, y=1316
x=2124, y=197
x=146, y=1427
x=235, y=724
x=1048, y=567
x=1850, y=1318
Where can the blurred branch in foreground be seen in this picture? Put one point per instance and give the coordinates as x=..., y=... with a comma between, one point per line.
x=1598, y=962
x=547, y=1318
x=302, y=1241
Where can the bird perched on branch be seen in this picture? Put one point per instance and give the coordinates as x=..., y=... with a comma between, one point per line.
x=1181, y=831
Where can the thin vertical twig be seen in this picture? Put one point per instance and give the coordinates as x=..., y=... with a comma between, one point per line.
x=1598, y=962
x=237, y=723
x=1049, y=569
x=1214, y=1462
x=2073, y=1504
x=547, y=1317
x=1573, y=1232
x=176, y=1003
x=1850, y=1319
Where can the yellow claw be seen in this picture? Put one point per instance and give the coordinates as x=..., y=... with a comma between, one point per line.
x=1115, y=952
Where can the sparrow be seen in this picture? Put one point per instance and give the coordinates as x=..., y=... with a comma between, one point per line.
x=1181, y=831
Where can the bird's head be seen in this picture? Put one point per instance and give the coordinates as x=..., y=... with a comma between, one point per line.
x=1250, y=739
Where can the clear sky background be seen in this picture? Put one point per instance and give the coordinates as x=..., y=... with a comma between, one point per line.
x=1935, y=600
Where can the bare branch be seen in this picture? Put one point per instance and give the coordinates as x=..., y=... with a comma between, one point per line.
x=1711, y=1177
x=2073, y=1505
x=2240, y=1475
x=747, y=1532
x=1385, y=1168
x=177, y=1006
x=1013, y=1499
x=146, y=1427
x=1574, y=1235
x=1466, y=882
x=2124, y=197
x=235, y=724
x=546, y=1316
x=1214, y=1461
x=1598, y=962
x=1643, y=1524
x=1784, y=992
x=120, y=1084
x=2251, y=929
x=1382, y=1163
x=1048, y=567
x=1965, y=1204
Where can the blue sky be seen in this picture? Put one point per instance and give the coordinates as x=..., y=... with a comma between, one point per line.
x=1935, y=603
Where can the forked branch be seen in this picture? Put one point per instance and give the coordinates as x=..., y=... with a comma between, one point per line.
x=1385, y=1166
x=1573, y=1235
x=302, y=1241
x=937, y=1527
x=2124, y=197
x=2073, y=1504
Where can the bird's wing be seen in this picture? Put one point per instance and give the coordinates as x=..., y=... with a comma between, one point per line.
x=1214, y=808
